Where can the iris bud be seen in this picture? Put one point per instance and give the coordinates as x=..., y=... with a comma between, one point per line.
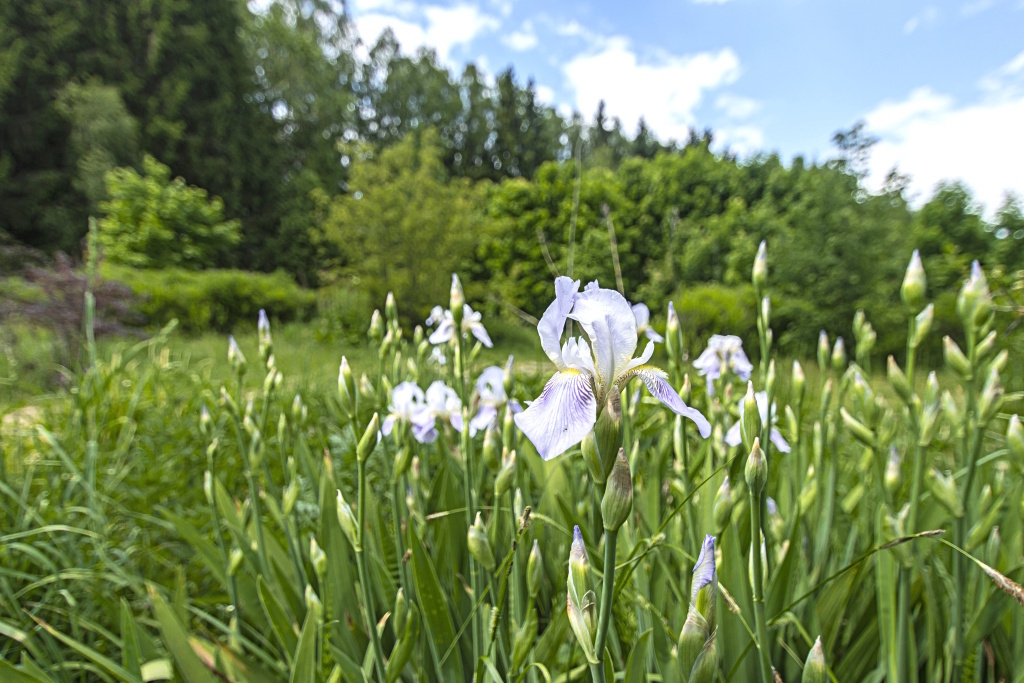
x=457, y=301
x=317, y=557
x=943, y=487
x=799, y=382
x=955, y=358
x=1015, y=439
x=235, y=356
x=991, y=397
x=915, y=283
x=490, y=449
x=235, y=561
x=839, y=355
x=922, y=325
x=401, y=613
x=391, y=308
x=756, y=471
x=346, y=386
x=823, y=350
x=370, y=438
x=723, y=506
x=506, y=475
x=580, y=602
x=899, y=381
x=376, y=331
x=479, y=546
x=815, y=670
x=534, y=570
x=893, y=472
x=759, y=274
x=347, y=520
x=751, y=418
x=618, y=494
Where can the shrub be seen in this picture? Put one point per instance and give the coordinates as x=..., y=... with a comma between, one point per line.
x=153, y=221
x=712, y=308
x=214, y=299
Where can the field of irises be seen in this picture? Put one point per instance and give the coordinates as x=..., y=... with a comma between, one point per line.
x=614, y=517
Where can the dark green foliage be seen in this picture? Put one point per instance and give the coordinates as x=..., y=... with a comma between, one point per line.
x=214, y=299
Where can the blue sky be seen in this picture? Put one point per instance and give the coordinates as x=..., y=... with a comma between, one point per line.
x=941, y=84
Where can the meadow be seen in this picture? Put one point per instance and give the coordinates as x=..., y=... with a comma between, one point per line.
x=189, y=508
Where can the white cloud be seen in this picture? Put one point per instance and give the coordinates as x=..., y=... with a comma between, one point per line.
x=522, y=40
x=664, y=89
x=741, y=140
x=976, y=7
x=545, y=94
x=933, y=139
x=929, y=15
x=737, y=107
x=433, y=26
x=1007, y=79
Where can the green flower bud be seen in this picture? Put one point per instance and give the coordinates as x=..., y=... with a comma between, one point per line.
x=235, y=357
x=750, y=420
x=826, y=394
x=922, y=325
x=491, y=449
x=899, y=382
x=403, y=460
x=759, y=274
x=974, y=302
x=580, y=601
x=376, y=330
x=999, y=362
x=479, y=546
x=691, y=642
x=457, y=301
x=985, y=347
x=992, y=547
x=723, y=506
x=534, y=570
x=857, y=429
x=208, y=486
x=686, y=391
x=517, y=503
x=348, y=523
x=955, y=358
x=235, y=561
x=756, y=471
x=508, y=378
x=991, y=397
x=823, y=351
x=769, y=382
x=508, y=425
x=401, y=613
x=291, y=495
x=815, y=670
x=914, y=284
x=893, y=472
x=766, y=312
x=799, y=383
x=506, y=475
x=346, y=386
x=943, y=487
x=839, y=355
x=605, y=439
x=205, y=422
x=1015, y=439
x=417, y=336
x=618, y=494
x=317, y=558
x=391, y=308
x=370, y=438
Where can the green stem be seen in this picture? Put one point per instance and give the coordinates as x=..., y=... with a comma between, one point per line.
x=971, y=443
x=467, y=484
x=607, y=596
x=757, y=579
x=364, y=576
x=396, y=512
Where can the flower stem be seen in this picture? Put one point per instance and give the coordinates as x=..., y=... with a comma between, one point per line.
x=757, y=579
x=607, y=596
x=364, y=576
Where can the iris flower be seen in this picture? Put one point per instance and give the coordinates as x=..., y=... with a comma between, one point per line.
x=643, y=323
x=723, y=354
x=589, y=366
x=490, y=388
x=409, y=405
x=444, y=404
x=445, y=322
x=735, y=434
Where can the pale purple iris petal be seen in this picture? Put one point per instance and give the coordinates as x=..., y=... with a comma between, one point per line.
x=780, y=444
x=741, y=364
x=563, y=414
x=481, y=334
x=444, y=332
x=483, y=419
x=490, y=385
x=653, y=336
x=663, y=391
x=552, y=323
x=642, y=315
x=456, y=421
x=704, y=569
x=389, y=423
x=424, y=433
x=516, y=406
x=734, y=436
x=708, y=364
x=605, y=316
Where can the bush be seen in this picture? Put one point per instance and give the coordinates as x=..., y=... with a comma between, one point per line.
x=214, y=299
x=152, y=221
x=712, y=308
